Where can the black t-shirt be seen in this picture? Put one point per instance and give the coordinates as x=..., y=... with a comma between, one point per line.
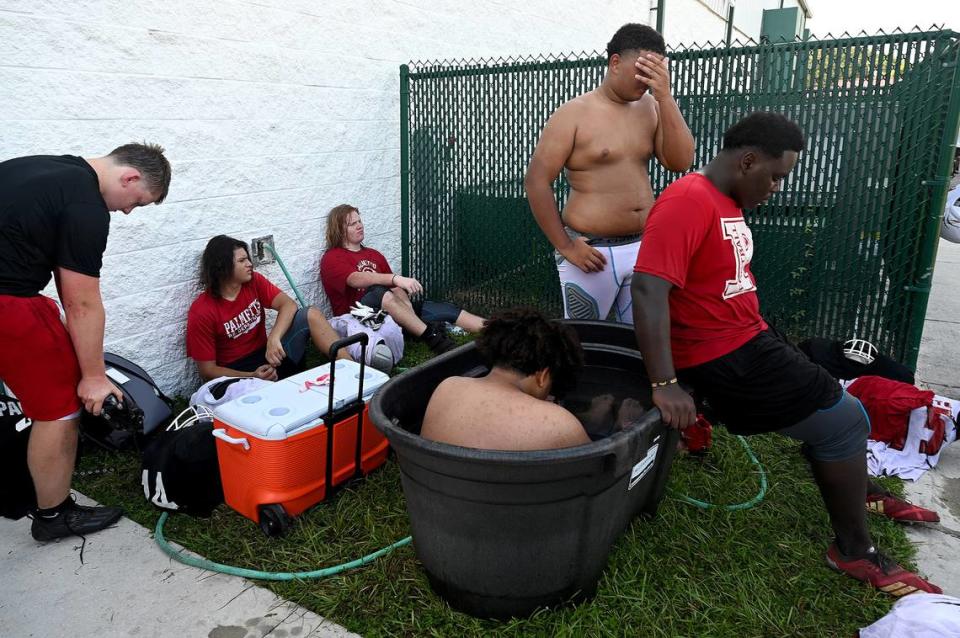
x=51, y=215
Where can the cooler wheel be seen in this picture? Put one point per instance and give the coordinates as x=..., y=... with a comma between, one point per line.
x=273, y=519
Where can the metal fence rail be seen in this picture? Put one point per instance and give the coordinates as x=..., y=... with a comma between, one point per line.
x=846, y=249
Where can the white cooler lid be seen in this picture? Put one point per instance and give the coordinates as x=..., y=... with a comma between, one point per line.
x=282, y=409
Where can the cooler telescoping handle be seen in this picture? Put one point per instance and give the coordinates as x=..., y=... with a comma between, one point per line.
x=221, y=434
x=362, y=339
x=337, y=346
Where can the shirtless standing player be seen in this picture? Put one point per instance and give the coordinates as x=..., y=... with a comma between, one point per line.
x=604, y=140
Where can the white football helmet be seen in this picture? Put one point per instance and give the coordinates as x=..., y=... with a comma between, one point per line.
x=860, y=350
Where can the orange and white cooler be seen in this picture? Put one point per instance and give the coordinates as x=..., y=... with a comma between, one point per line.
x=282, y=448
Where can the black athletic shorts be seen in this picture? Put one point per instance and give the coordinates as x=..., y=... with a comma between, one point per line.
x=764, y=385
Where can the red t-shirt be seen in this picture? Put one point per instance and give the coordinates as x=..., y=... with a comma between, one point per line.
x=225, y=331
x=696, y=238
x=339, y=263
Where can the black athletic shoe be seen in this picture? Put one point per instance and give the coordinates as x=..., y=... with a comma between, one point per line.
x=74, y=520
x=437, y=339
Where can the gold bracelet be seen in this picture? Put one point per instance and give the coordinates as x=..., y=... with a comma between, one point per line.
x=662, y=384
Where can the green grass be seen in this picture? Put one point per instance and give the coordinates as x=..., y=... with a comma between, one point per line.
x=687, y=572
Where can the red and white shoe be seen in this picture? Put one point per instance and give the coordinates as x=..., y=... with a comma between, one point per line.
x=879, y=571
x=899, y=510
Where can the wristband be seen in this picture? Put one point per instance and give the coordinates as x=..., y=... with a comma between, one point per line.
x=393, y=280
x=662, y=384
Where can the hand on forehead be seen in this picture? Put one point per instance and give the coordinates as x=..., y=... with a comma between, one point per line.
x=650, y=55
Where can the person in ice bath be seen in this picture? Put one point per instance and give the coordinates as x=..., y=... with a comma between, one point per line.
x=531, y=359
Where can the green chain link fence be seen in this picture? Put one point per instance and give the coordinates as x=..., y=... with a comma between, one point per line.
x=846, y=249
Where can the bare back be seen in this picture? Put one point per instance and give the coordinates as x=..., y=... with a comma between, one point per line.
x=477, y=413
x=607, y=168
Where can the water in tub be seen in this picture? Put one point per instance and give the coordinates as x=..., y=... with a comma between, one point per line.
x=605, y=397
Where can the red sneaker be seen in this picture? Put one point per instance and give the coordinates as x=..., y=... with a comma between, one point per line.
x=880, y=572
x=900, y=510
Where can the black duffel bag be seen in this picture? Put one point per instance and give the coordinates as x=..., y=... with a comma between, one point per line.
x=180, y=471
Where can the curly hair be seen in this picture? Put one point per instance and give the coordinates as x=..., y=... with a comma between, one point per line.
x=216, y=263
x=524, y=340
x=772, y=133
x=636, y=37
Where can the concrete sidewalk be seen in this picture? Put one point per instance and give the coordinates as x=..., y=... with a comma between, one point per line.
x=938, y=368
x=127, y=586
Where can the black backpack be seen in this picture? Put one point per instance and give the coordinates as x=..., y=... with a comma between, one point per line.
x=828, y=354
x=180, y=471
x=145, y=409
x=17, y=496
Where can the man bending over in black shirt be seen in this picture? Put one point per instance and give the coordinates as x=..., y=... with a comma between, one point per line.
x=54, y=221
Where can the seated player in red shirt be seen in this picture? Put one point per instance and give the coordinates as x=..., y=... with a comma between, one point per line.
x=226, y=331
x=697, y=318
x=352, y=272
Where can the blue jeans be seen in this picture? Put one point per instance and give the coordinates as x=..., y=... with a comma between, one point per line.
x=428, y=311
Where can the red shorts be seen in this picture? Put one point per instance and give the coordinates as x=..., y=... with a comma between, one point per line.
x=37, y=359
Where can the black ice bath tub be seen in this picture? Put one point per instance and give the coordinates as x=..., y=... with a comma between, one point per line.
x=501, y=533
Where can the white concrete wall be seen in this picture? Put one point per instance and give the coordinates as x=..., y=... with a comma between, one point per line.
x=272, y=112
x=698, y=22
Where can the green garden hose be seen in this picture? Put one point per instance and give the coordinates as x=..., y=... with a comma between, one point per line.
x=203, y=563
x=286, y=273
x=737, y=506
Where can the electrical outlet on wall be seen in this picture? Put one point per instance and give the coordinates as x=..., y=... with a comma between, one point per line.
x=261, y=250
